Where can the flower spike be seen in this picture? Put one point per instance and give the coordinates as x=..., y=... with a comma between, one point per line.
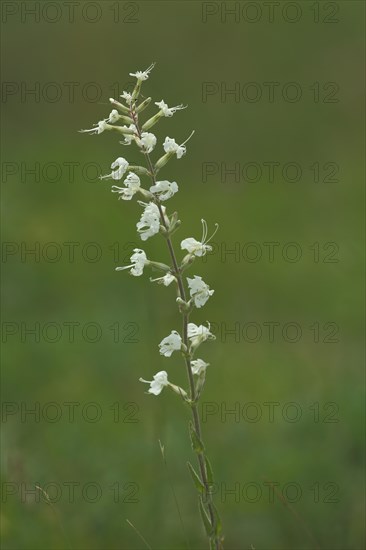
x=128, y=178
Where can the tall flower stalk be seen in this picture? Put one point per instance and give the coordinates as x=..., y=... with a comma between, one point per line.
x=154, y=220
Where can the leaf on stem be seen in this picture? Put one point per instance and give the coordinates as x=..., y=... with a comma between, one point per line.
x=205, y=519
x=196, y=479
x=197, y=444
x=209, y=471
x=217, y=520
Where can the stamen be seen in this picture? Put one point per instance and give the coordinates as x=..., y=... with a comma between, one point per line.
x=204, y=231
x=214, y=233
x=124, y=267
x=188, y=138
x=150, y=68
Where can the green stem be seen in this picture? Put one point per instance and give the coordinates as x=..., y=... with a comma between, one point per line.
x=178, y=274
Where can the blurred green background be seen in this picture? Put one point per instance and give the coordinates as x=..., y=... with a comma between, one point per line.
x=114, y=463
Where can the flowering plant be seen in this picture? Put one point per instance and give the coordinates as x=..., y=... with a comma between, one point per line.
x=155, y=219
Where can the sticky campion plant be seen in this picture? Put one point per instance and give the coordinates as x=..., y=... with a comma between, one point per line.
x=155, y=220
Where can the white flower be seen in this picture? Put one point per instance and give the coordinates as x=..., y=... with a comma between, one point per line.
x=147, y=141
x=160, y=380
x=168, y=111
x=166, y=280
x=143, y=75
x=199, y=366
x=132, y=183
x=171, y=343
x=195, y=247
x=158, y=383
x=170, y=146
x=199, y=334
x=129, y=137
x=198, y=248
x=200, y=292
x=99, y=128
x=127, y=97
x=164, y=189
x=113, y=116
x=138, y=260
x=119, y=167
x=149, y=223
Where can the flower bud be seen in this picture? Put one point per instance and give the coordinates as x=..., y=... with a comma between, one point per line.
x=146, y=194
x=139, y=170
x=143, y=105
x=176, y=226
x=187, y=261
x=162, y=161
x=124, y=130
x=184, y=349
x=136, y=90
x=164, y=231
x=174, y=223
x=173, y=219
x=126, y=119
x=152, y=121
x=122, y=108
x=200, y=384
x=184, y=307
x=158, y=265
x=179, y=391
x=121, y=129
x=166, y=218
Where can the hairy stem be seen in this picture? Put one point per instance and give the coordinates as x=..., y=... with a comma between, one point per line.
x=178, y=274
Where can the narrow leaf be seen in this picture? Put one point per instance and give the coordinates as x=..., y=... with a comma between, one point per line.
x=218, y=523
x=143, y=105
x=205, y=519
x=196, y=479
x=209, y=471
x=197, y=444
